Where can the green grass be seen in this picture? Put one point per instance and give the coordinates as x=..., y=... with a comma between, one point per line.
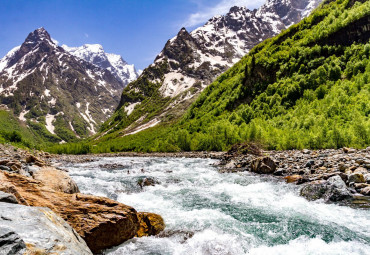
x=296, y=90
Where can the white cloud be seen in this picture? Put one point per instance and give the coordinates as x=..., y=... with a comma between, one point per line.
x=205, y=13
x=86, y=35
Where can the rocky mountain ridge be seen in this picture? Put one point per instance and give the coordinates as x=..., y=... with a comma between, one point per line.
x=95, y=54
x=58, y=95
x=190, y=61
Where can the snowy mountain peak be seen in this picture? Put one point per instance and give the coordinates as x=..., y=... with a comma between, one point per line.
x=95, y=54
x=43, y=84
x=38, y=36
x=191, y=61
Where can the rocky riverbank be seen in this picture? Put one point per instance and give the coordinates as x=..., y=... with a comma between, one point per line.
x=57, y=219
x=341, y=175
x=47, y=202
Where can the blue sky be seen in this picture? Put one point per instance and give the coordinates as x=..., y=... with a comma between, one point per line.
x=135, y=29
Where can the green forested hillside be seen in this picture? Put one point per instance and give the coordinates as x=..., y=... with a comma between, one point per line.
x=309, y=87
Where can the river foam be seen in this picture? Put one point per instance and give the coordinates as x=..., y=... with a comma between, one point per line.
x=207, y=212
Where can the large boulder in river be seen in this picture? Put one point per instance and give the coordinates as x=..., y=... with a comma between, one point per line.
x=263, y=165
x=56, y=179
x=150, y=224
x=334, y=189
x=101, y=222
x=36, y=230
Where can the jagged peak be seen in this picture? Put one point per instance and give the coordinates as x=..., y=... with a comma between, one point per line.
x=39, y=34
x=238, y=9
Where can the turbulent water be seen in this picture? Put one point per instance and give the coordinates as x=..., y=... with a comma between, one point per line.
x=207, y=212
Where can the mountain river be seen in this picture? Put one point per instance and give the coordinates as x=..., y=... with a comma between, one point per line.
x=207, y=212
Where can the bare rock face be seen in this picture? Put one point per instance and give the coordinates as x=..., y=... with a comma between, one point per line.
x=150, y=224
x=36, y=230
x=11, y=242
x=57, y=180
x=101, y=222
x=263, y=165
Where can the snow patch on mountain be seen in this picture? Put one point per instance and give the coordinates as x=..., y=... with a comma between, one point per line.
x=95, y=54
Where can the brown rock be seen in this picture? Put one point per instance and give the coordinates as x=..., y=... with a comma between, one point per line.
x=361, y=185
x=263, y=165
x=292, y=178
x=4, y=162
x=150, y=224
x=349, y=150
x=35, y=160
x=101, y=222
x=56, y=179
x=366, y=191
x=360, y=170
x=356, y=178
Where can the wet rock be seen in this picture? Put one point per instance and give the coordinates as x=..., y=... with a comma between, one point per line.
x=292, y=178
x=11, y=242
x=112, y=166
x=147, y=182
x=42, y=230
x=314, y=190
x=101, y=222
x=263, y=165
x=8, y=198
x=356, y=178
x=56, y=179
x=150, y=224
x=334, y=189
x=183, y=235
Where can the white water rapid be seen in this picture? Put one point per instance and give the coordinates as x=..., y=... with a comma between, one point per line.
x=207, y=212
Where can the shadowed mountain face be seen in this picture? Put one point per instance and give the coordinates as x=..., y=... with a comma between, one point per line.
x=57, y=94
x=191, y=61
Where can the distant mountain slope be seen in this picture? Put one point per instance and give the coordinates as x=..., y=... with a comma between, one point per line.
x=190, y=61
x=95, y=54
x=55, y=93
x=308, y=87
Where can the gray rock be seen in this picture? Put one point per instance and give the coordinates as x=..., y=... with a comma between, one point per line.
x=310, y=163
x=11, y=243
x=314, y=190
x=32, y=169
x=337, y=189
x=367, y=178
x=42, y=229
x=334, y=189
x=5, y=168
x=8, y=198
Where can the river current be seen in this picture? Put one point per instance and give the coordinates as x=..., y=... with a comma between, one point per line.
x=207, y=212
